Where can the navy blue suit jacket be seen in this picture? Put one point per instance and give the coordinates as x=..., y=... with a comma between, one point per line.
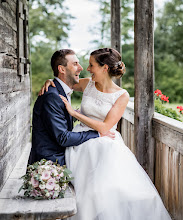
x=52, y=128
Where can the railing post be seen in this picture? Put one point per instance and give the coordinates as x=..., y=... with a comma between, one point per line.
x=116, y=29
x=144, y=83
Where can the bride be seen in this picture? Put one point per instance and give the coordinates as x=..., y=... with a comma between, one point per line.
x=109, y=182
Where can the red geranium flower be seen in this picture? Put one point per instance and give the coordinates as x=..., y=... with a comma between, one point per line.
x=158, y=92
x=180, y=108
x=164, y=98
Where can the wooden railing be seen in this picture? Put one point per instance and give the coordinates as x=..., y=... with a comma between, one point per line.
x=168, y=161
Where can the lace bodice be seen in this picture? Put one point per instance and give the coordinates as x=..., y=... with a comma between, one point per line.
x=96, y=104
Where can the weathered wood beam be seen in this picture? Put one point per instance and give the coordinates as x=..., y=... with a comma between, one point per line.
x=116, y=29
x=144, y=83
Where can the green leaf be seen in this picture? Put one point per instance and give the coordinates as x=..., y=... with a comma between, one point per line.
x=20, y=188
x=61, y=195
x=38, y=198
x=67, y=171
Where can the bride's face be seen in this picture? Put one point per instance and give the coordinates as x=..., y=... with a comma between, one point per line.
x=95, y=69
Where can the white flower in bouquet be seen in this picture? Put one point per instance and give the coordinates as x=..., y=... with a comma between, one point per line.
x=57, y=187
x=42, y=186
x=47, y=194
x=45, y=180
x=54, y=172
x=64, y=186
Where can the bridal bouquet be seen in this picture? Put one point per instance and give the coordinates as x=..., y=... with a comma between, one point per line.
x=45, y=180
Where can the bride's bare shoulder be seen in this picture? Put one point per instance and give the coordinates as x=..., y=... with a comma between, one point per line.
x=117, y=88
x=80, y=87
x=124, y=94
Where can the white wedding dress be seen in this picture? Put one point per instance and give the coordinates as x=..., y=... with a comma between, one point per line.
x=109, y=182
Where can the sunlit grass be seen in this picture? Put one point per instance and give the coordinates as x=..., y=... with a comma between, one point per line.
x=76, y=103
x=173, y=105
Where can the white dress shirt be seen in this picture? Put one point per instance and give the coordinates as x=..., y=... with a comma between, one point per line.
x=68, y=91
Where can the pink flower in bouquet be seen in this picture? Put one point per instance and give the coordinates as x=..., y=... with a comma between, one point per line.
x=46, y=175
x=36, y=193
x=50, y=185
x=34, y=182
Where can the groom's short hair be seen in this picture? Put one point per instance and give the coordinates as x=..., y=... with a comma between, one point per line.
x=58, y=58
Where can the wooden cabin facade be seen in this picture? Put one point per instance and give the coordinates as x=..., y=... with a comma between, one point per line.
x=14, y=84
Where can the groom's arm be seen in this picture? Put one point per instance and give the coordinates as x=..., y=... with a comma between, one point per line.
x=54, y=118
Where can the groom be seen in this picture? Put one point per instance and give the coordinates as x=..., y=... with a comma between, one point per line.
x=52, y=125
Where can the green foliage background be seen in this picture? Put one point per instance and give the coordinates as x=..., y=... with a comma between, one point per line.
x=49, y=27
x=169, y=51
x=50, y=20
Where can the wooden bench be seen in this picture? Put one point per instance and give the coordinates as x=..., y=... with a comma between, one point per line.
x=14, y=205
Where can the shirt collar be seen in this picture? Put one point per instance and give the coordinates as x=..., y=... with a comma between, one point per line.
x=66, y=88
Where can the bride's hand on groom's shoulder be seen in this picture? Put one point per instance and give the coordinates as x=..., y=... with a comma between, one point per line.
x=109, y=134
x=67, y=105
x=44, y=88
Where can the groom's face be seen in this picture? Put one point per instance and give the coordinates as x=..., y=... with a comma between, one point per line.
x=73, y=70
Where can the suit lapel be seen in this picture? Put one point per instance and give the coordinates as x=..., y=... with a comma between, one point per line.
x=59, y=88
x=62, y=92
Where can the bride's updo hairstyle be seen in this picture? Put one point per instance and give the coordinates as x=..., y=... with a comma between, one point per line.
x=112, y=58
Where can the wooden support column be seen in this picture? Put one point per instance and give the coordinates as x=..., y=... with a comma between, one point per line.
x=116, y=29
x=116, y=36
x=144, y=83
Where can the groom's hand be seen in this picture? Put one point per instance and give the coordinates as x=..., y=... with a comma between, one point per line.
x=108, y=134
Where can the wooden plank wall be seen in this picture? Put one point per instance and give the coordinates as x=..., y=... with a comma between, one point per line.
x=168, y=166
x=168, y=140
x=127, y=131
x=14, y=93
x=127, y=127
